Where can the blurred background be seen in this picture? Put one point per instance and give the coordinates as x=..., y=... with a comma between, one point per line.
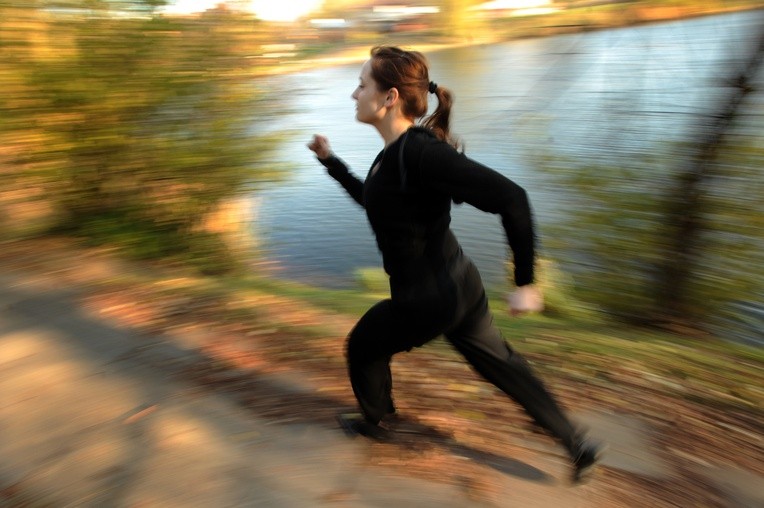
x=176, y=131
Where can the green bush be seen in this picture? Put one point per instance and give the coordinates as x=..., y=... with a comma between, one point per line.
x=136, y=127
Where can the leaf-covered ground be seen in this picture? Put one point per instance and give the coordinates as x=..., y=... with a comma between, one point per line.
x=702, y=402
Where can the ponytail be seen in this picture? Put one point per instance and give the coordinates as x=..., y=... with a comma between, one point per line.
x=439, y=122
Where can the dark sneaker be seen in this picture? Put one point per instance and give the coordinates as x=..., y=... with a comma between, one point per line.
x=355, y=424
x=393, y=419
x=370, y=430
x=586, y=455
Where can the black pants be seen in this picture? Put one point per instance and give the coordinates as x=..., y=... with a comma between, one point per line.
x=389, y=328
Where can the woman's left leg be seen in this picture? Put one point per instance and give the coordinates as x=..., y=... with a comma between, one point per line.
x=383, y=331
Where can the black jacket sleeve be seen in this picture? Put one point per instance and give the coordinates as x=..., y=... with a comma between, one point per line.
x=445, y=170
x=338, y=170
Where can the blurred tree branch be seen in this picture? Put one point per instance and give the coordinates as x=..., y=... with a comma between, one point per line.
x=684, y=216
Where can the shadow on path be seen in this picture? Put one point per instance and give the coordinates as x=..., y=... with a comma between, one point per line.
x=126, y=383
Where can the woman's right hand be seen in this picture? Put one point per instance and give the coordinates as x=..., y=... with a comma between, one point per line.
x=320, y=146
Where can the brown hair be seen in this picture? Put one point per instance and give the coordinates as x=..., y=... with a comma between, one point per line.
x=408, y=72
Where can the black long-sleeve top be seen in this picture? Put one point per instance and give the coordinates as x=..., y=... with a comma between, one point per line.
x=408, y=203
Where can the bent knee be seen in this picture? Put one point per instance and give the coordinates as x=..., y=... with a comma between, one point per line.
x=359, y=349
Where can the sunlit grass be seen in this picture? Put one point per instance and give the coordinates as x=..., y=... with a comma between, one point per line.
x=585, y=349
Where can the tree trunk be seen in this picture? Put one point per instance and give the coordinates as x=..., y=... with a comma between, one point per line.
x=685, y=207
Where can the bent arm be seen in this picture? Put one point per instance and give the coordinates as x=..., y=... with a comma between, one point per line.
x=452, y=173
x=338, y=170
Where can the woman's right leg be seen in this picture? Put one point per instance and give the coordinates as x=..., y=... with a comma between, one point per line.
x=482, y=344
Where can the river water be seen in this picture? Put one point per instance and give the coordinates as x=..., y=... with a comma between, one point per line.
x=604, y=97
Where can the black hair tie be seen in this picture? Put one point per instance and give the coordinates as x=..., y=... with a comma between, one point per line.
x=433, y=87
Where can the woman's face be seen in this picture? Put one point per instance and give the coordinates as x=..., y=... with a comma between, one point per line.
x=369, y=101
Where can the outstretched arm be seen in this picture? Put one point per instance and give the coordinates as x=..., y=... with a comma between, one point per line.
x=337, y=168
x=452, y=173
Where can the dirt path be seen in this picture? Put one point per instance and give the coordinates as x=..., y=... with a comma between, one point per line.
x=663, y=451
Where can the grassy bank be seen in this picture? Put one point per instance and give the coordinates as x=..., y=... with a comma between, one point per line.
x=583, y=347
x=579, y=347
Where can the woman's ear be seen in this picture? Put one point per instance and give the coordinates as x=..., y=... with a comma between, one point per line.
x=392, y=97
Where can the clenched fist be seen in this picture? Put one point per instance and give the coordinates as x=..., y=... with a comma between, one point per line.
x=525, y=299
x=320, y=146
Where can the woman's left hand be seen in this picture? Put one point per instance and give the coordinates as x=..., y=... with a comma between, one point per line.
x=525, y=299
x=320, y=146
